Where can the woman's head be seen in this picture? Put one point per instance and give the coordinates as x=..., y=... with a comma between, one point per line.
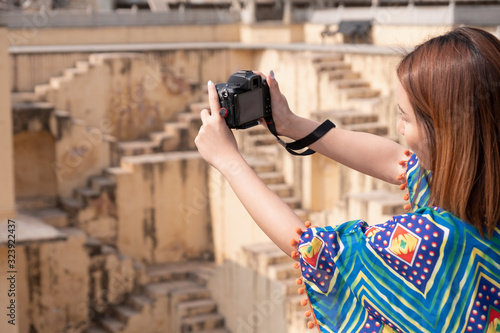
x=452, y=83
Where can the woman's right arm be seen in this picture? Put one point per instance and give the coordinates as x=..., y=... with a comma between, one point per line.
x=367, y=153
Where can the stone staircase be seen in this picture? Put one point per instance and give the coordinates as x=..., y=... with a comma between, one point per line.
x=148, y=292
x=268, y=260
x=177, y=135
x=339, y=85
x=170, y=298
x=274, y=179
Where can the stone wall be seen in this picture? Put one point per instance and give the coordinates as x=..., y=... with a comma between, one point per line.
x=6, y=142
x=162, y=207
x=35, y=32
x=51, y=285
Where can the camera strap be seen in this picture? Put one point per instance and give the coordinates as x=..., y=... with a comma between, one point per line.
x=306, y=141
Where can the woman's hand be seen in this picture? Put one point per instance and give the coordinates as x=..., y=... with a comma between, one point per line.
x=215, y=141
x=282, y=115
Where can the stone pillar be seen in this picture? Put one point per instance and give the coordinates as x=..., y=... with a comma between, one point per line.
x=287, y=12
x=248, y=14
x=7, y=196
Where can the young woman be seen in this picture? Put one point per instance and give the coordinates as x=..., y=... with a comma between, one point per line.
x=434, y=269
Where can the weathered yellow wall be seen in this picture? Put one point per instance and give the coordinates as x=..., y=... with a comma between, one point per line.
x=34, y=156
x=82, y=151
x=162, y=207
x=232, y=226
x=124, y=35
x=272, y=33
x=51, y=286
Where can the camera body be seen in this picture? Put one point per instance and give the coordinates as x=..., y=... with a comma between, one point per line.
x=245, y=98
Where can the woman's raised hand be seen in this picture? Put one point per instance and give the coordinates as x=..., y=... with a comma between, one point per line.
x=282, y=115
x=215, y=141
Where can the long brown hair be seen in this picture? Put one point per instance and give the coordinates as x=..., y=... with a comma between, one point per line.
x=453, y=84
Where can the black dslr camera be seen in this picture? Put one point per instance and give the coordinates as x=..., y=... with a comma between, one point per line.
x=244, y=99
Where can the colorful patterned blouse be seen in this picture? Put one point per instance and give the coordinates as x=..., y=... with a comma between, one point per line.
x=425, y=271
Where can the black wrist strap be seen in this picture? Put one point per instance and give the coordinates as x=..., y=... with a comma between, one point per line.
x=306, y=141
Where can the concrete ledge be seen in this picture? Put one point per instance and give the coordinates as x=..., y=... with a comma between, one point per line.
x=29, y=230
x=141, y=47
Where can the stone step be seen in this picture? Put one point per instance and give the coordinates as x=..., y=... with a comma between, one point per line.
x=188, y=118
x=386, y=203
x=197, y=107
x=184, y=270
x=300, y=321
x=328, y=57
x=360, y=93
x=83, y=65
x=139, y=301
x=351, y=83
x=255, y=130
x=293, y=202
x=191, y=293
x=294, y=301
x=283, y=271
x=59, y=81
x=261, y=139
x=202, y=322
x=111, y=325
x=94, y=329
x=73, y=72
x=54, y=216
x=174, y=127
x=376, y=128
x=302, y=214
x=162, y=289
x=345, y=117
x=261, y=256
x=35, y=106
x=273, y=177
x=181, y=131
x=282, y=190
x=86, y=193
x=368, y=105
x=101, y=183
x=93, y=246
x=196, y=307
x=139, y=147
x=35, y=203
x=260, y=165
x=268, y=152
x=291, y=287
x=25, y=97
x=113, y=172
x=165, y=141
x=124, y=313
x=71, y=206
x=331, y=65
x=339, y=74
x=42, y=89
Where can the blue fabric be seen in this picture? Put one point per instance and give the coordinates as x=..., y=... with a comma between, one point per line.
x=425, y=271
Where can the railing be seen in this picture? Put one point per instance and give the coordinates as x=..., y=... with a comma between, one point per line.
x=77, y=18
